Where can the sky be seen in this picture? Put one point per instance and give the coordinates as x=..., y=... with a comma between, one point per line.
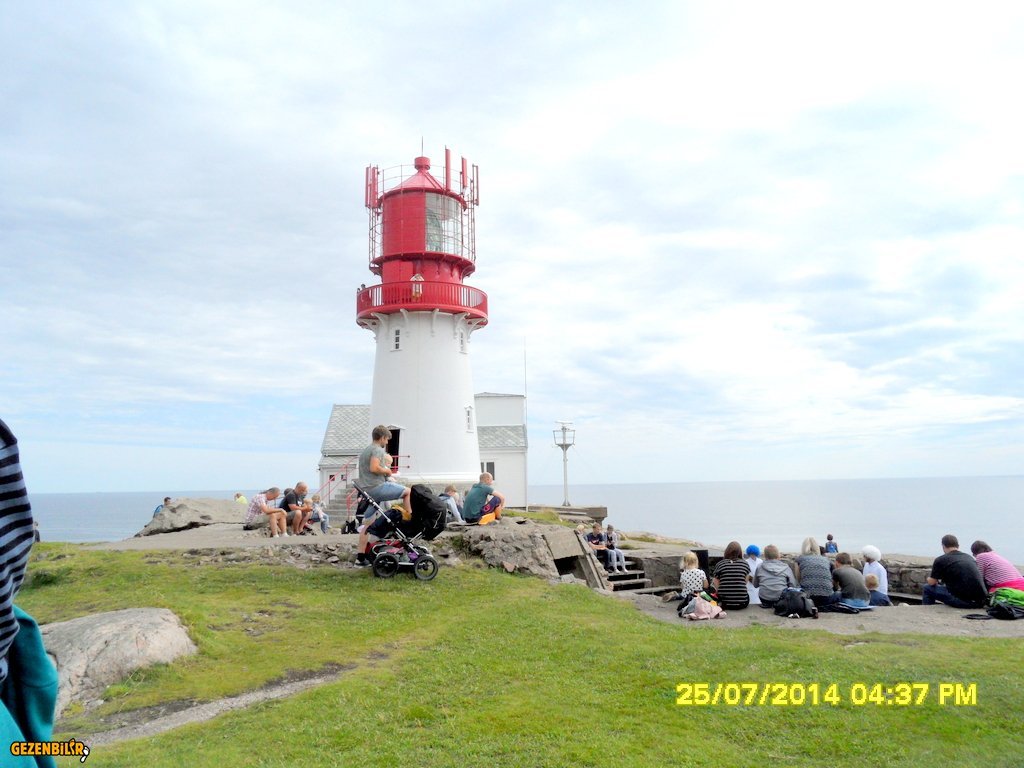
x=728, y=241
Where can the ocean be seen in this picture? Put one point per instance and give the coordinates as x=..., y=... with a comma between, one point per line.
x=908, y=516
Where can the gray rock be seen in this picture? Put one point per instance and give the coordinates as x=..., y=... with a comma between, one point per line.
x=96, y=651
x=516, y=548
x=193, y=513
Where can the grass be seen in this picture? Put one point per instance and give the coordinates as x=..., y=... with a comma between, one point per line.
x=482, y=668
x=541, y=515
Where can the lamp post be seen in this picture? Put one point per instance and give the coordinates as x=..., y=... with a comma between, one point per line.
x=565, y=437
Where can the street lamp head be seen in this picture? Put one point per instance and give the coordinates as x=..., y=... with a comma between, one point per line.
x=565, y=435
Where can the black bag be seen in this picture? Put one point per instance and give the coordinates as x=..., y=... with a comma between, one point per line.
x=839, y=608
x=795, y=604
x=1002, y=609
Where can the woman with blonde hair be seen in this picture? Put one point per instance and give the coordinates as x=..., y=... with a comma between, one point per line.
x=814, y=572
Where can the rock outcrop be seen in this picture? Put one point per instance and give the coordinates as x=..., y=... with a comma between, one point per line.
x=96, y=651
x=192, y=513
x=519, y=548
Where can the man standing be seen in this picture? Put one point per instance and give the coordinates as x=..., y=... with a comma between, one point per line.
x=962, y=585
x=375, y=479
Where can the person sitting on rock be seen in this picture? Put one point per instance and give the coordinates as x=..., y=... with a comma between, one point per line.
x=450, y=497
x=483, y=504
x=260, y=505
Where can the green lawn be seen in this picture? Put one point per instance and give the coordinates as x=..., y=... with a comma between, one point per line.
x=479, y=668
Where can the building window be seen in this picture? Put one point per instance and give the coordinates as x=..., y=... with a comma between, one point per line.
x=469, y=418
x=488, y=467
x=398, y=338
x=462, y=341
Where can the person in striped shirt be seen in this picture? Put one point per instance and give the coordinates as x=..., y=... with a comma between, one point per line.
x=730, y=579
x=16, y=536
x=28, y=677
x=995, y=569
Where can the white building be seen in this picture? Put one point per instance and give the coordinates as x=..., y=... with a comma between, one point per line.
x=500, y=432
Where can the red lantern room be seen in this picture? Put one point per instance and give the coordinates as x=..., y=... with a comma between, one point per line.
x=422, y=242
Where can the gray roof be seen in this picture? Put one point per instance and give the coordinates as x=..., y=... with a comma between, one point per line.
x=348, y=431
x=492, y=438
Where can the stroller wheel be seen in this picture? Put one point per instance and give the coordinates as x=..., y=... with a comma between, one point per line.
x=385, y=565
x=425, y=568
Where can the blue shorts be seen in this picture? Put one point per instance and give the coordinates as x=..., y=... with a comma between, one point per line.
x=386, y=491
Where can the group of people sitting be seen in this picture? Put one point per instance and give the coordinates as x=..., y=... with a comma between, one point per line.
x=956, y=578
x=482, y=505
x=605, y=544
x=294, y=511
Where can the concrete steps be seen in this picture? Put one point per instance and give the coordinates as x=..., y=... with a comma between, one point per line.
x=620, y=584
x=633, y=579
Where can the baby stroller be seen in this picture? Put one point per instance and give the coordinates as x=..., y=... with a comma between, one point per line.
x=401, y=541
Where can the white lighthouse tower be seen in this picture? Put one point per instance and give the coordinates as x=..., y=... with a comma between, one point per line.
x=422, y=246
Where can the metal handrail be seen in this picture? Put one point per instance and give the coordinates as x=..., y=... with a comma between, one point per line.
x=422, y=296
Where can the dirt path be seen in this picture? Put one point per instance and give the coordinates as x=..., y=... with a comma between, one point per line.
x=143, y=723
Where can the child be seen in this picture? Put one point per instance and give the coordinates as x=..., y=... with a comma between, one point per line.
x=753, y=559
x=450, y=497
x=877, y=598
x=616, y=560
x=319, y=514
x=691, y=579
x=831, y=547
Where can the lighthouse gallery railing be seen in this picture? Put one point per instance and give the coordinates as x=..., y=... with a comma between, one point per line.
x=421, y=296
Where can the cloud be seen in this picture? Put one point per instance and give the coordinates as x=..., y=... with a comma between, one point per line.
x=783, y=245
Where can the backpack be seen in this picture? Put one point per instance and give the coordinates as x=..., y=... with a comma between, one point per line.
x=1008, y=595
x=796, y=605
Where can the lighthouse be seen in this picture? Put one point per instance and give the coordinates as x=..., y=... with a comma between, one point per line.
x=422, y=247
